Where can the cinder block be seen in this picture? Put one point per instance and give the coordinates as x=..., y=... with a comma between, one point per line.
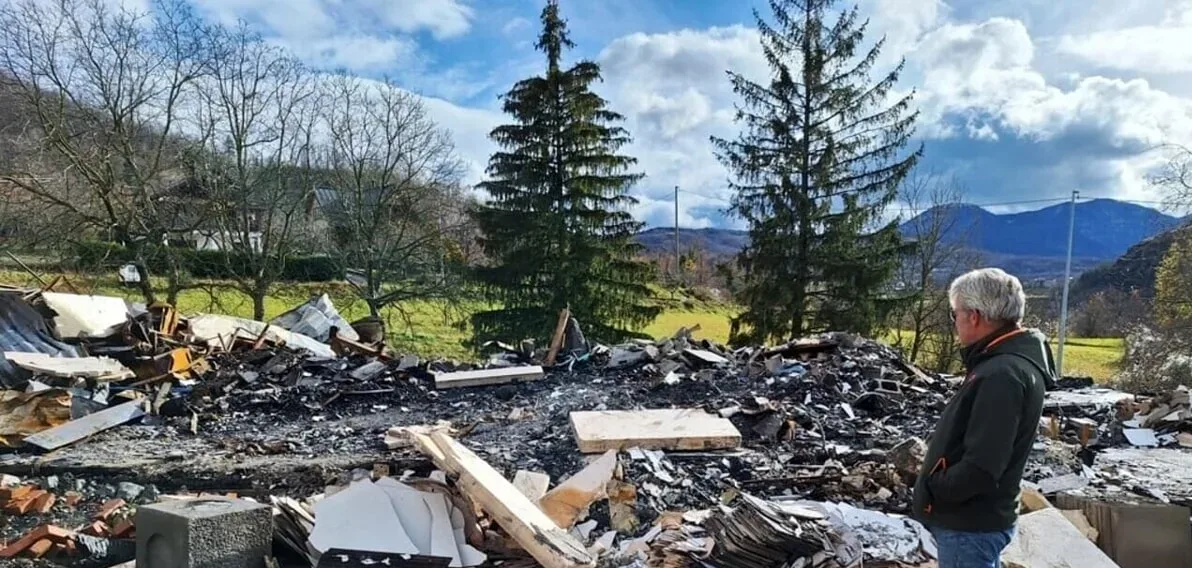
x=209, y=532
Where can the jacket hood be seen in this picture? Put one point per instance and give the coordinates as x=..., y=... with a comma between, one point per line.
x=1029, y=344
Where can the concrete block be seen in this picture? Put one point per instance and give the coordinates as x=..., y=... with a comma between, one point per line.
x=210, y=532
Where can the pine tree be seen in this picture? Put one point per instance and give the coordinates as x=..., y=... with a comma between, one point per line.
x=820, y=156
x=556, y=229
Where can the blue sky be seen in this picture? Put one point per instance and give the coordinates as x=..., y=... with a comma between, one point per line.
x=1020, y=99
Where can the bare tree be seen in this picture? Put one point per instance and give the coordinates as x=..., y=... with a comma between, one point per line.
x=939, y=252
x=1175, y=178
x=391, y=175
x=257, y=107
x=104, y=88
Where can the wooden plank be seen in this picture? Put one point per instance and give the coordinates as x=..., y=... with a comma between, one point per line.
x=556, y=342
x=89, y=425
x=705, y=357
x=525, y=522
x=485, y=377
x=668, y=429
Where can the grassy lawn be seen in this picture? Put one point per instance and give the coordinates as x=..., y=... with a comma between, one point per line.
x=1099, y=358
x=423, y=328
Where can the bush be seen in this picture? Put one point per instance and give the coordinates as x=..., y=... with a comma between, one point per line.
x=1155, y=361
x=211, y=264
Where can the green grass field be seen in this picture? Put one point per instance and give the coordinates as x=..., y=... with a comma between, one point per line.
x=424, y=328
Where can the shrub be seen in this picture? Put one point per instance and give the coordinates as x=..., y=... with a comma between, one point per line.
x=211, y=264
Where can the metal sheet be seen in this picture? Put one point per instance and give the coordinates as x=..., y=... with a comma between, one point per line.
x=24, y=330
x=90, y=425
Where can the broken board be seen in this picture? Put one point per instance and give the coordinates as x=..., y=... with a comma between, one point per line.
x=666, y=429
x=89, y=425
x=706, y=357
x=522, y=519
x=485, y=377
x=1046, y=539
x=100, y=368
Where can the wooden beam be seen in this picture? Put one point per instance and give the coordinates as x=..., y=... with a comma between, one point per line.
x=523, y=520
x=556, y=342
x=667, y=429
x=485, y=377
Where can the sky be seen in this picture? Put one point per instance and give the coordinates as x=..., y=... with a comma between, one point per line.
x=1019, y=99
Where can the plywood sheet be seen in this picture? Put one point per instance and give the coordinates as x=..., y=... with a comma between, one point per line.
x=668, y=429
x=485, y=377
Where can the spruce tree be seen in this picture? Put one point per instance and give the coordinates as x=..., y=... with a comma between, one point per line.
x=821, y=154
x=556, y=229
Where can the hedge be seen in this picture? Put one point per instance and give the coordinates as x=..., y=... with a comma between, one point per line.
x=214, y=264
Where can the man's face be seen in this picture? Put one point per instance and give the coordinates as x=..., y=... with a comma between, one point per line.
x=968, y=323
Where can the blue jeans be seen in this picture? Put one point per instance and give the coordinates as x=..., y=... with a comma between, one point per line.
x=959, y=549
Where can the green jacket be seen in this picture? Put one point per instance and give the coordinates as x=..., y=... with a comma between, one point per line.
x=975, y=458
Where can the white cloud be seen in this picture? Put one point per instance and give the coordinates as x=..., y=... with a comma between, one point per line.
x=986, y=70
x=360, y=35
x=469, y=128
x=1159, y=49
x=356, y=53
x=674, y=92
x=443, y=18
x=516, y=26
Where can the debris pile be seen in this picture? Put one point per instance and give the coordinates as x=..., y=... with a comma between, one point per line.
x=667, y=453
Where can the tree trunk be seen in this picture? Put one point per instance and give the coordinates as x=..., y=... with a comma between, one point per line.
x=258, y=302
x=145, y=285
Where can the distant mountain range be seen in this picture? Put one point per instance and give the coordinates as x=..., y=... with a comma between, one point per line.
x=1031, y=244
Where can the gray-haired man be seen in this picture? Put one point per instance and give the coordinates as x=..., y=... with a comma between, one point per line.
x=967, y=490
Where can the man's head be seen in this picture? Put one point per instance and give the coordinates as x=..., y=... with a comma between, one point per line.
x=984, y=301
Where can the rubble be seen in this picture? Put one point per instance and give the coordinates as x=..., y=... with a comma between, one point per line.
x=821, y=437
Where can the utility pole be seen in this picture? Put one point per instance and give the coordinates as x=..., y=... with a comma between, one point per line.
x=678, y=265
x=1059, y=359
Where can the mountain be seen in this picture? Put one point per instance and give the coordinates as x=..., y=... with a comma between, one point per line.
x=1105, y=229
x=1031, y=244
x=714, y=242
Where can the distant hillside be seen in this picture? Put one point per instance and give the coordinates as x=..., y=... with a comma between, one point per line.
x=1031, y=244
x=1134, y=270
x=714, y=242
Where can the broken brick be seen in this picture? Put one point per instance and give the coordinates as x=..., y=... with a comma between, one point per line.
x=98, y=528
x=124, y=529
x=51, y=532
x=110, y=506
x=40, y=548
x=15, y=493
x=24, y=504
x=72, y=498
x=43, y=503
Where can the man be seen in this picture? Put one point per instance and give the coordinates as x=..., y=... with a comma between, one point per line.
x=967, y=489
